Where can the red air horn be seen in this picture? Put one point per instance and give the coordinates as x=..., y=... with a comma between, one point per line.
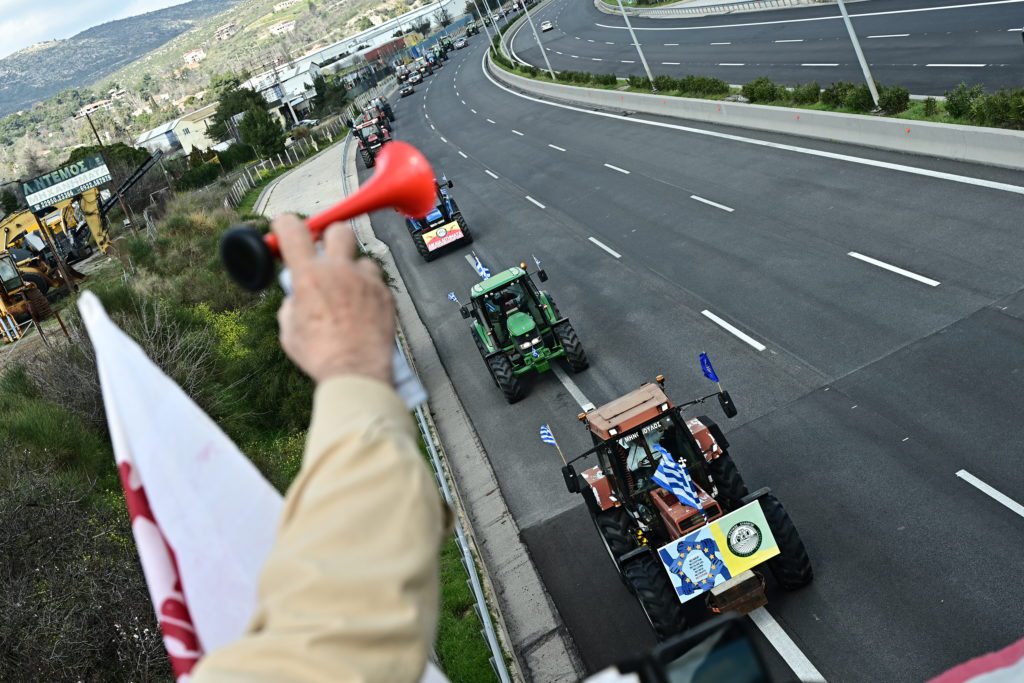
x=403, y=180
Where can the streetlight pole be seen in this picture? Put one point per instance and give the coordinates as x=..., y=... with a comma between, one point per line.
x=636, y=42
x=860, y=54
x=103, y=153
x=490, y=38
x=536, y=36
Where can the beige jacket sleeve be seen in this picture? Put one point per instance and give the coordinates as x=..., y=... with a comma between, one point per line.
x=350, y=590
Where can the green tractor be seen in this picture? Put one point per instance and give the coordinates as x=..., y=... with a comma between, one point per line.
x=518, y=329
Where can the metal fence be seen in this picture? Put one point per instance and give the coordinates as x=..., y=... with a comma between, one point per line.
x=673, y=12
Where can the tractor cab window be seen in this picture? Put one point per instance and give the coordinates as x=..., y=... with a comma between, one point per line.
x=500, y=304
x=640, y=451
x=9, y=275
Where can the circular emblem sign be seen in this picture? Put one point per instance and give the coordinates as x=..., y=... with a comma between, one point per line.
x=441, y=232
x=744, y=539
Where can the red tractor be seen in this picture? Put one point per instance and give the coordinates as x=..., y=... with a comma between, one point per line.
x=655, y=467
x=370, y=136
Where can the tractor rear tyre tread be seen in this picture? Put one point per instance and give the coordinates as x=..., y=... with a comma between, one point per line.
x=467, y=235
x=501, y=370
x=614, y=527
x=647, y=579
x=792, y=566
x=728, y=481
x=39, y=303
x=421, y=247
x=38, y=280
x=368, y=160
x=574, y=353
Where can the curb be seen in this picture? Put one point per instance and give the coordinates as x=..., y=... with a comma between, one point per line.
x=679, y=10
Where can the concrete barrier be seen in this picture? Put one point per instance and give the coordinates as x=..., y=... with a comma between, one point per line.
x=989, y=146
x=681, y=9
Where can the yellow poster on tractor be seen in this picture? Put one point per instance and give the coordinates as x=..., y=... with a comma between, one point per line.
x=718, y=551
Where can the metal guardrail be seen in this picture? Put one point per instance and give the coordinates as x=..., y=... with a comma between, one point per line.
x=705, y=10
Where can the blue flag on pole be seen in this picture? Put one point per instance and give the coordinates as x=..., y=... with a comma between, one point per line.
x=705, y=365
x=451, y=297
x=673, y=476
x=546, y=436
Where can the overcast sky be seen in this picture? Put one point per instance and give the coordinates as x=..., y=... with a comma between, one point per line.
x=24, y=22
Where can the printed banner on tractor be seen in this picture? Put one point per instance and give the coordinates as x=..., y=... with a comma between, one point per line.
x=718, y=551
x=66, y=182
x=443, y=236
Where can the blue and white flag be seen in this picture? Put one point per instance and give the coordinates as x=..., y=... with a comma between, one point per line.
x=705, y=365
x=536, y=260
x=546, y=436
x=673, y=476
x=451, y=297
x=534, y=352
x=480, y=268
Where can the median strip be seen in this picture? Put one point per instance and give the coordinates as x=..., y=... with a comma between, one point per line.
x=732, y=329
x=894, y=269
x=616, y=168
x=604, y=246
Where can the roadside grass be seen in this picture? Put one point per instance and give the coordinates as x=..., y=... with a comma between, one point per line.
x=246, y=207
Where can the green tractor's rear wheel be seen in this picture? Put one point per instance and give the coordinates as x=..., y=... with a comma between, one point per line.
x=792, y=566
x=728, y=481
x=574, y=353
x=502, y=372
x=646, y=577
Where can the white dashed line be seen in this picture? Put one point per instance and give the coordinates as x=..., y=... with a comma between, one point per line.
x=490, y=120
x=432, y=127
x=608, y=42
x=721, y=43
x=628, y=61
x=488, y=172
x=605, y=247
x=560, y=149
x=787, y=649
x=596, y=59
x=590, y=40
x=557, y=52
x=723, y=207
x=463, y=102
x=671, y=63
x=444, y=139
x=819, y=65
x=575, y=56
x=472, y=110
x=516, y=131
x=463, y=154
x=959, y=66
x=895, y=35
x=673, y=44
x=894, y=269
x=790, y=40
x=616, y=168
x=1002, y=498
x=731, y=64
x=535, y=202
x=729, y=327
x=574, y=391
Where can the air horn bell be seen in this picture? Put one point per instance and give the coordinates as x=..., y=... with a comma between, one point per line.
x=403, y=180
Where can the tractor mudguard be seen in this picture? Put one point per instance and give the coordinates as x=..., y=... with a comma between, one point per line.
x=634, y=554
x=601, y=487
x=704, y=431
x=716, y=431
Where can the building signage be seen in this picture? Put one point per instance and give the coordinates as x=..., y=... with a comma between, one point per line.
x=50, y=188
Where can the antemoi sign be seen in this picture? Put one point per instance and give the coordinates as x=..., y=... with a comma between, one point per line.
x=65, y=182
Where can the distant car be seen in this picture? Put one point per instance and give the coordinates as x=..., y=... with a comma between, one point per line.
x=308, y=123
x=459, y=43
x=406, y=90
x=415, y=78
x=546, y=25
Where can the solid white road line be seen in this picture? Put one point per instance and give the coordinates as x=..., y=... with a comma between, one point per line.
x=785, y=646
x=729, y=327
x=731, y=64
x=488, y=172
x=721, y=43
x=723, y=207
x=560, y=149
x=490, y=120
x=791, y=40
x=958, y=66
x=516, y=132
x=1015, y=29
x=899, y=271
x=574, y=390
x=604, y=246
x=991, y=492
x=616, y=168
x=849, y=158
x=535, y=202
x=892, y=35
x=463, y=154
x=819, y=65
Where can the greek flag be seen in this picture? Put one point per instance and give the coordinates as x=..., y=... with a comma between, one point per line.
x=673, y=476
x=546, y=436
x=534, y=352
x=536, y=260
x=480, y=268
x=705, y=365
x=451, y=297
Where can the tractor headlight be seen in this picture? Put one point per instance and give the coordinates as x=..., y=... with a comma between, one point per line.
x=526, y=346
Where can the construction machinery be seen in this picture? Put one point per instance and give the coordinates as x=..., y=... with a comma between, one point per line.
x=20, y=300
x=518, y=329
x=441, y=227
x=674, y=513
x=76, y=224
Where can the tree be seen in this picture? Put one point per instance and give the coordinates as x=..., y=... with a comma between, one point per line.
x=9, y=202
x=471, y=10
x=443, y=16
x=232, y=101
x=262, y=132
x=364, y=24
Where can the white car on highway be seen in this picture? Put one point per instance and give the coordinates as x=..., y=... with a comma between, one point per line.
x=546, y=25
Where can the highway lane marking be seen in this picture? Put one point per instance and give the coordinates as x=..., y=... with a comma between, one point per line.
x=535, y=202
x=596, y=59
x=516, y=132
x=732, y=64
x=608, y=42
x=825, y=18
x=560, y=149
x=894, y=269
x=998, y=496
x=577, y=395
x=791, y=40
x=721, y=43
x=575, y=56
x=729, y=327
x=723, y=207
x=444, y=139
x=472, y=110
x=972, y=66
x=490, y=120
x=463, y=102
x=590, y=40
x=816, y=64
x=490, y=173
x=892, y=35
x=557, y=52
x=463, y=154
x=671, y=63
x=785, y=646
x=432, y=127
x=1015, y=29
x=616, y=168
x=674, y=44
x=628, y=61
x=835, y=156
x=604, y=246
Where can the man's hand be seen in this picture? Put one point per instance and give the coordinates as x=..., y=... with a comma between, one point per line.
x=340, y=317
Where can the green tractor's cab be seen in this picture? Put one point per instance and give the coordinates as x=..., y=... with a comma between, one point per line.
x=518, y=329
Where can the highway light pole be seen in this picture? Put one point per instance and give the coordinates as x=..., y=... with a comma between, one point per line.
x=632, y=35
x=860, y=54
x=537, y=37
x=490, y=38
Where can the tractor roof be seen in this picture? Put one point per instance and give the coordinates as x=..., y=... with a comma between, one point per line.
x=628, y=412
x=496, y=281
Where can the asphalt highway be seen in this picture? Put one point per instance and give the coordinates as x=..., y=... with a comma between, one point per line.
x=923, y=45
x=865, y=310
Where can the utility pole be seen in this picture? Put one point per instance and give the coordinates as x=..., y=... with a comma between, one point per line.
x=490, y=38
x=536, y=36
x=636, y=42
x=860, y=54
x=103, y=153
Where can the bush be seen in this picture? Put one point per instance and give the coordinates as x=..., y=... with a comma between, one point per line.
x=859, y=99
x=931, y=107
x=960, y=101
x=235, y=155
x=894, y=100
x=1003, y=108
x=639, y=82
x=808, y=93
x=763, y=89
x=606, y=79
x=665, y=83
x=200, y=176
x=835, y=94
x=703, y=85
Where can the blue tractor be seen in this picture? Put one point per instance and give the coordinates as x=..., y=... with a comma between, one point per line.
x=441, y=227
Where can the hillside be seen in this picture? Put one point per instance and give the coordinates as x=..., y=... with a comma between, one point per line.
x=35, y=73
